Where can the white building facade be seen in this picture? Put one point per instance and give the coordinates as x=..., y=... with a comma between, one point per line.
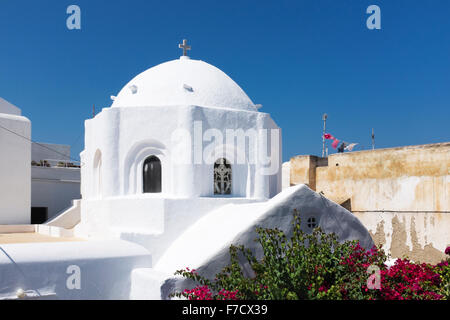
x=15, y=165
x=55, y=181
x=37, y=180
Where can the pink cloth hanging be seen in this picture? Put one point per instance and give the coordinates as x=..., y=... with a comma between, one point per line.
x=328, y=136
x=335, y=143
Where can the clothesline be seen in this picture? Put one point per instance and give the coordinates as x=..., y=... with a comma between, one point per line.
x=343, y=145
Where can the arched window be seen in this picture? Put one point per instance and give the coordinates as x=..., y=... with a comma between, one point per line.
x=152, y=175
x=222, y=177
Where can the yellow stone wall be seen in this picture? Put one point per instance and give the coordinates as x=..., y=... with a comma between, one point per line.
x=400, y=194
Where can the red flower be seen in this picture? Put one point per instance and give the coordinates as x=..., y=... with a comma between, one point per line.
x=447, y=251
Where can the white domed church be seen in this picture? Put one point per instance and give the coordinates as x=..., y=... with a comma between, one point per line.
x=180, y=130
x=153, y=139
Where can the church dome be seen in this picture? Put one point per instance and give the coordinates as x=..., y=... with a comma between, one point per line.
x=184, y=82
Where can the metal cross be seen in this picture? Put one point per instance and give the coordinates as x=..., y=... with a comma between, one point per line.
x=185, y=47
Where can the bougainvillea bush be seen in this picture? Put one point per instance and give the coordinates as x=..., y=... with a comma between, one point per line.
x=443, y=269
x=317, y=266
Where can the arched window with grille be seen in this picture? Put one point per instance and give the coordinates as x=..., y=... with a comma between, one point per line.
x=222, y=177
x=152, y=175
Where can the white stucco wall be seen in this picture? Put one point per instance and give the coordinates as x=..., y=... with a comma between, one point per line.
x=15, y=169
x=182, y=112
x=54, y=188
x=286, y=175
x=125, y=137
x=68, y=219
x=9, y=108
x=149, y=220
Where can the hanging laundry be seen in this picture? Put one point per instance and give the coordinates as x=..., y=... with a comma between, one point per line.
x=328, y=136
x=351, y=147
x=335, y=143
x=342, y=147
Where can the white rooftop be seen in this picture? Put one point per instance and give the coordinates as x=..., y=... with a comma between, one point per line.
x=9, y=108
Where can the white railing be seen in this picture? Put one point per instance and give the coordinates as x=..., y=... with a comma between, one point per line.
x=52, y=163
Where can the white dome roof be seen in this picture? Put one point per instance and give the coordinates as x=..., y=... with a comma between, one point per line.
x=184, y=82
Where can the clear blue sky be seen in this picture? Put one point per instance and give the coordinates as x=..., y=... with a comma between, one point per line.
x=298, y=58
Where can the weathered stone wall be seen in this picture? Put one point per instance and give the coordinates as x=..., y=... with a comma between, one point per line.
x=420, y=236
x=401, y=194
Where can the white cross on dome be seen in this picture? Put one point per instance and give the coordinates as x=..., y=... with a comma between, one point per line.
x=185, y=47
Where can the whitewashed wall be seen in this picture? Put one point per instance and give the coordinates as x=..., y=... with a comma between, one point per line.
x=125, y=137
x=15, y=167
x=54, y=188
x=8, y=108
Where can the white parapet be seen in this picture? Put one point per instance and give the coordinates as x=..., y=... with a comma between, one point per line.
x=69, y=218
x=88, y=270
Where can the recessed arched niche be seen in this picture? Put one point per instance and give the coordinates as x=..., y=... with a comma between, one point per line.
x=145, y=161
